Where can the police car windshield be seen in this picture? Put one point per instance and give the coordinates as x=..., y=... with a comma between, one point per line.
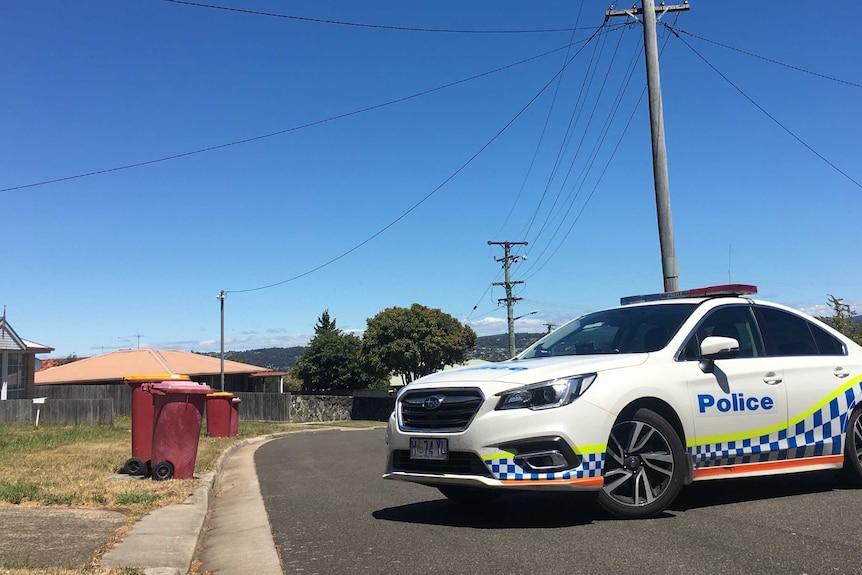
x=633, y=329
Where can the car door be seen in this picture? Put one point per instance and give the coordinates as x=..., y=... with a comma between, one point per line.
x=739, y=409
x=817, y=373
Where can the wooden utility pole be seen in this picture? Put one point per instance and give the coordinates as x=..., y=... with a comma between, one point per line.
x=510, y=300
x=220, y=297
x=670, y=269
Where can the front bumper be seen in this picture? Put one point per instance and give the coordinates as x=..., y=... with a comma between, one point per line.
x=553, y=449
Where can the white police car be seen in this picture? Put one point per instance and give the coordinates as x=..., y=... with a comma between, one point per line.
x=636, y=401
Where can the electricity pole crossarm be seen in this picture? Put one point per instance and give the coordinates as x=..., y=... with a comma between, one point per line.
x=670, y=269
x=510, y=300
x=635, y=11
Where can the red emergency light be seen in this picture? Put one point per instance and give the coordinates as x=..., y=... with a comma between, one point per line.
x=711, y=291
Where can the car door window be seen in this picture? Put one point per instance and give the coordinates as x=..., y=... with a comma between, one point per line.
x=733, y=321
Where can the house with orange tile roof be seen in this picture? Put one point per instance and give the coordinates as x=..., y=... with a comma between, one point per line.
x=111, y=368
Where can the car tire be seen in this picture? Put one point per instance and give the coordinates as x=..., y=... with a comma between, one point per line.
x=644, y=466
x=469, y=495
x=853, y=449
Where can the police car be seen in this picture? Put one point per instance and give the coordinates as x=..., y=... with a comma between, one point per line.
x=636, y=401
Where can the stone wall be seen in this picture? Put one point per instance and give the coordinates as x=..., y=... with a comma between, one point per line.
x=318, y=408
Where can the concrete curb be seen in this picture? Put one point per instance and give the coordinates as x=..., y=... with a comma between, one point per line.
x=164, y=542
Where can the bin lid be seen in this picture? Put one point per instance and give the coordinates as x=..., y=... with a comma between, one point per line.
x=155, y=377
x=171, y=387
x=224, y=394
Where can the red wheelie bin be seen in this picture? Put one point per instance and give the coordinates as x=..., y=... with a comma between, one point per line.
x=178, y=409
x=142, y=420
x=219, y=414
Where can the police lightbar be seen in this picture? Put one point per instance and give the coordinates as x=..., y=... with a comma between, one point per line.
x=711, y=291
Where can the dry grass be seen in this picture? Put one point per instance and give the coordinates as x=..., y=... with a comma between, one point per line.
x=77, y=466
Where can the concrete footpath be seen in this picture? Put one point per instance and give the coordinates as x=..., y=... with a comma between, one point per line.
x=223, y=525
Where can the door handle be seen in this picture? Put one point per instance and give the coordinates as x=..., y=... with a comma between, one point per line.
x=772, y=378
x=840, y=372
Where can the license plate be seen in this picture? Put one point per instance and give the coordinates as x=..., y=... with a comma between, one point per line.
x=433, y=449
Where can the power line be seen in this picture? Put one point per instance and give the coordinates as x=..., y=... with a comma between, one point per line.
x=570, y=133
x=292, y=129
x=541, y=137
x=764, y=58
x=374, y=26
x=763, y=110
x=427, y=196
x=566, y=138
x=541, y=261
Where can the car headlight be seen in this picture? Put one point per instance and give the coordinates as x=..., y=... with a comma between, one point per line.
x=547, y=394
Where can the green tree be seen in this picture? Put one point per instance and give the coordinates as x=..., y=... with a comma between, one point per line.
x=415, y=341
x=292, y=382
x=324, y=324
x=332, y=360
x=842, y=319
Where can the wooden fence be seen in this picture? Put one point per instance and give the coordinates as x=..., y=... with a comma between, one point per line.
x=88, y=403
x=120, y=394
x=264, y=406
x=69, y=411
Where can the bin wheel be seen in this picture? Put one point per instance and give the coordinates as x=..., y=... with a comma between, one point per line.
x=163, y=470
x=135, y=466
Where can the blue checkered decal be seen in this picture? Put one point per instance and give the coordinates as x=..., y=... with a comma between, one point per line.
x=505, y=468
x=820, y=433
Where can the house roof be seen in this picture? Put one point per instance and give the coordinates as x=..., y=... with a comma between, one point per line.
x=32, y=346
x=10, y=341
x=116, y=365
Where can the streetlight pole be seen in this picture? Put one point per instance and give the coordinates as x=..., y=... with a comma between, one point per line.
x=512, y=348
x=220, y=297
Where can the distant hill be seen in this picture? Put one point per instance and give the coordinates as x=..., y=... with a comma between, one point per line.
x=496, y=347
x=488, y=347
x=274, y=358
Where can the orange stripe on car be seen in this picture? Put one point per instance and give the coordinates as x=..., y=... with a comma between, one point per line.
x=585, y=481
x=765, y=466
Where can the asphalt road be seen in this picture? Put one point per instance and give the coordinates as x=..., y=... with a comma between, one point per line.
x=331, y=513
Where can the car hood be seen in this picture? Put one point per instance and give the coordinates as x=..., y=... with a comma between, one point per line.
x=525, y=371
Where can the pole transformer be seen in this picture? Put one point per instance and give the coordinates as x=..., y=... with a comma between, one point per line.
x=510, y=300
x=670, y=270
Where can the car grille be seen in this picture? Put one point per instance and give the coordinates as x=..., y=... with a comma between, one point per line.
x=459, y=463
x=439, y=410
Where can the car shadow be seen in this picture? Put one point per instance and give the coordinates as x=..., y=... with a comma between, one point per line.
x=513, y=510
x=728, y=491
x=541, y=510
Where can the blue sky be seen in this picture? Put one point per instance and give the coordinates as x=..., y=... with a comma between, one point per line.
x=136, y=256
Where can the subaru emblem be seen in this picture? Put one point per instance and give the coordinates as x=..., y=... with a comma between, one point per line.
x=432, y=402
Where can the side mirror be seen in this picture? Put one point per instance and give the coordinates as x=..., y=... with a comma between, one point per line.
x=716, y=347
